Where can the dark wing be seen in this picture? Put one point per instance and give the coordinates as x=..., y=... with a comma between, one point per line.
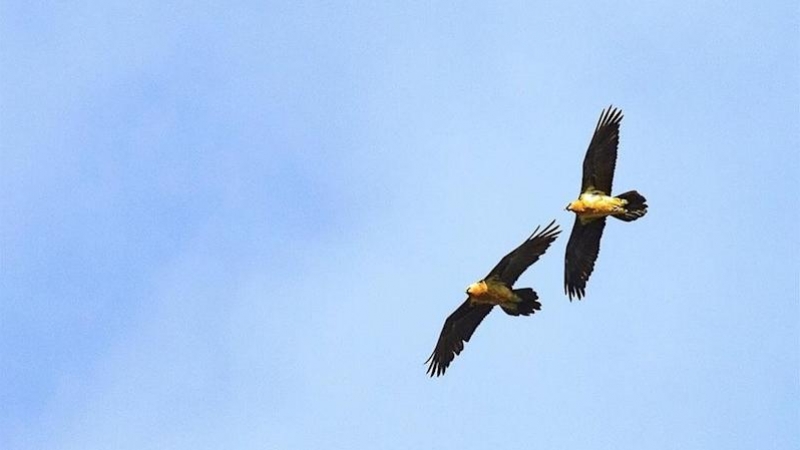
x=515, y=263
x=457, y=329
x=582, y=250
x=601, y=157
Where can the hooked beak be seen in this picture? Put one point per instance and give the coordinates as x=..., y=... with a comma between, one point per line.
x=470, y=288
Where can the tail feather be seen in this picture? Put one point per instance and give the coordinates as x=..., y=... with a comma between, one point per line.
x=529, y=303
x=635, y=208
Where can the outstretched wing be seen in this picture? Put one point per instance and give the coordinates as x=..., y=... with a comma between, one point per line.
x=582, y=250
x=601, y=156
x=457, y=329
x=515, y=263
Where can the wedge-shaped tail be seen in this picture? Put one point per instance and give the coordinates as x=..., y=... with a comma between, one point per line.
x=635, y=208
x=529, y=304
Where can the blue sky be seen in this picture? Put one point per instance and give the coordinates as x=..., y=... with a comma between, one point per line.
x=243, y=225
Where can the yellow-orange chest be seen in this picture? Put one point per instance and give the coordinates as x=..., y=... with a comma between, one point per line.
x=593, y=206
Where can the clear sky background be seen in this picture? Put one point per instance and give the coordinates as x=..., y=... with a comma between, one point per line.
x=242, y=225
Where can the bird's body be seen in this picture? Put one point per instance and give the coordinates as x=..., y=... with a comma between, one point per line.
x=491, y=292
x=496, y=289
x=592, y=205
x=595, y=203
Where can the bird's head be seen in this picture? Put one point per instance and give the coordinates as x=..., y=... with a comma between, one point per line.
x=477, y=289
x=576, y=206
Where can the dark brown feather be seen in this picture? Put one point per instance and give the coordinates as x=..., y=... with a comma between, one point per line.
x=582, y=250
x=601, y=156
x=457, y=329
x=509, y=269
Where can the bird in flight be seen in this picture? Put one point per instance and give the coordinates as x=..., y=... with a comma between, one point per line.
x=495, y=289
x=595, y=203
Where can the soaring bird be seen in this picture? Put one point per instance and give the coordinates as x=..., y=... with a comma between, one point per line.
x=595, y=203
x=495, y=289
